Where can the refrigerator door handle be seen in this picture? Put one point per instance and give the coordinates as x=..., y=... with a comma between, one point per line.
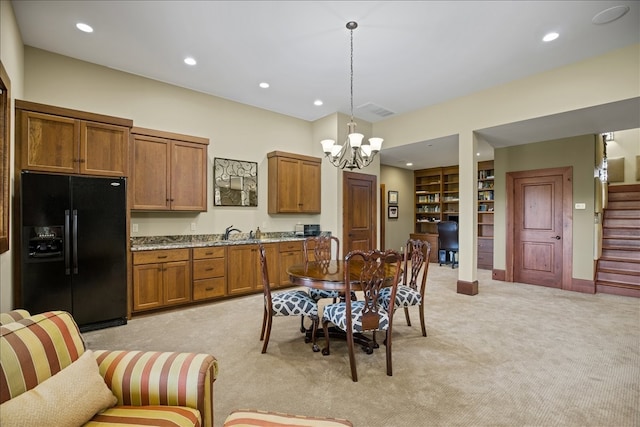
x=75, y=241
x=67, y=242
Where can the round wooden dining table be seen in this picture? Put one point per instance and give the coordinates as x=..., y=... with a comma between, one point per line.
x=329, y=275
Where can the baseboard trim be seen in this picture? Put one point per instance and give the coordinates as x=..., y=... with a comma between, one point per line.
x=498, y=275
x=467, y=288
x=582, y=285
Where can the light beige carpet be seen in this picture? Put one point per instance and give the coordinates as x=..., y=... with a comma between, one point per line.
x=513, y=355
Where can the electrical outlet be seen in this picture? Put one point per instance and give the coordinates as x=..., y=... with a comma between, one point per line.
x=193, y=226
x=134, y=228
x=581, y=206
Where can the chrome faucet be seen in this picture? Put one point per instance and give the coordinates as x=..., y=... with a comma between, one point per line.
x=228, y=231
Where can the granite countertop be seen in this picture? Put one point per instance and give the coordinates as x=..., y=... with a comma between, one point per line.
x=150, y=243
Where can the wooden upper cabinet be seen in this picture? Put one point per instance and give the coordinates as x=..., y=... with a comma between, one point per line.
x=169, y=171
x=294, y=183
x=53, y=139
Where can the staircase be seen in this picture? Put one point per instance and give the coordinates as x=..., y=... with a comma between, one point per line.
x=618, y=269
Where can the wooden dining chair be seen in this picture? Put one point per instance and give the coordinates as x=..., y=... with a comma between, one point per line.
x=379, y=270
x=287, y=303
x=321, y=249
x=411, y=291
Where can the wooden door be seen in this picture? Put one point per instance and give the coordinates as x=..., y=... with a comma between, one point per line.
x=540, y=222
x=288, y=185
x=188, y=177
x=150, y=173
x=359, y=209
x=104, y=149
x=49, y=143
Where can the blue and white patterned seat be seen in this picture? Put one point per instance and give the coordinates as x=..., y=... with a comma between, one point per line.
x=294, y=303
x=405, y=297
x=337, y=314
x=318, y=294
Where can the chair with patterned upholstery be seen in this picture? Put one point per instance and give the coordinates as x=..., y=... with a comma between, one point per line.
x=287, y=303
x=411, y=291
x=377, y=270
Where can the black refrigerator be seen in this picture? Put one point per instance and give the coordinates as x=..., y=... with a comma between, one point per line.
x=74, y=247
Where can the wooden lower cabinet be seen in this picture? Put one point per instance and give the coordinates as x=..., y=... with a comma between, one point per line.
x=244, y=275
x=209, y=273
x=290, y=254
x=161, y=278
x=485, y=253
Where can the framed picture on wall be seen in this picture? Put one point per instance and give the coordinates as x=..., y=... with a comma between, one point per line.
x=393, y=212
x=393, y=197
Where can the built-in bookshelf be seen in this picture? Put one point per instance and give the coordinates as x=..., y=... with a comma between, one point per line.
x=485, y=214
x=437, y=196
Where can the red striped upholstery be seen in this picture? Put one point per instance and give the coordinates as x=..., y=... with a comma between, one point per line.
x=13, y=316
x=34, y=349
x=257, y=418
x=154, y=378
x=153, y=388
x=158, y=416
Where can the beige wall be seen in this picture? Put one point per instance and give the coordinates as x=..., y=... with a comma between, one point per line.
x=397, y=230
x=626, y=144
x=579, y=153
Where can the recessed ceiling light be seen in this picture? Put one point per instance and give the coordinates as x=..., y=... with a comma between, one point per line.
x=190, y=61
x=550, y=37
x=610, y=15
x=409, y=164
x=478, y=154
x=264, y=85
x=84, y=27
x=318, y=102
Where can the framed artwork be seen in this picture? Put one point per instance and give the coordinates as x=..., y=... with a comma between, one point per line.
x=393, y=212
x=393, y=197
x=235, y=182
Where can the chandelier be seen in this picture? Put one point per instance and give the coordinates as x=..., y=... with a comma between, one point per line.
x=352, y=154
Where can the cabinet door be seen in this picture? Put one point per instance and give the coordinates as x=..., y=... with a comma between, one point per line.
x=188, y=177
x=288, y=185
x=241, y=270
x=104, y=149
x=273, y=265
x=290, y=254
x=49, y=143
x=147, y=286
x=150, y=173
x=309, y=198
x=177, y=282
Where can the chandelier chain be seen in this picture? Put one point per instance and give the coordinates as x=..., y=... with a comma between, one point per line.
x=351, y=74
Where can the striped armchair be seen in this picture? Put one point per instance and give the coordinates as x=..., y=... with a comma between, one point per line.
x=147, y=388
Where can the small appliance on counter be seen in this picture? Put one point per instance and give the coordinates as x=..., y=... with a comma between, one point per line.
x=307, y=230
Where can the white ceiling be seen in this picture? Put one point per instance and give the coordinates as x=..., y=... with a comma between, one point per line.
x=407, y=54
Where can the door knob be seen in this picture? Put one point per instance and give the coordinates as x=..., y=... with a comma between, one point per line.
x=557, y=237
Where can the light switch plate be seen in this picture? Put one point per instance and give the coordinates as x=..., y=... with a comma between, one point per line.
x=193, y=226
x=581, y=206
x=134, y=228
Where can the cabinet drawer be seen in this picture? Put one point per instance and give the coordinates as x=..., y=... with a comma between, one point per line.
x=200, y=253
x=485, y=258
x=290, y=246
x=168, y=255
x=206, y=268
x=208, y=288
x=485, y=245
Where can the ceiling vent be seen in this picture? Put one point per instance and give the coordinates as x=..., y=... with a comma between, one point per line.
x=375, y=109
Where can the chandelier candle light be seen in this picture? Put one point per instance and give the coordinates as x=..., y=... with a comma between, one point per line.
x=352, y=154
